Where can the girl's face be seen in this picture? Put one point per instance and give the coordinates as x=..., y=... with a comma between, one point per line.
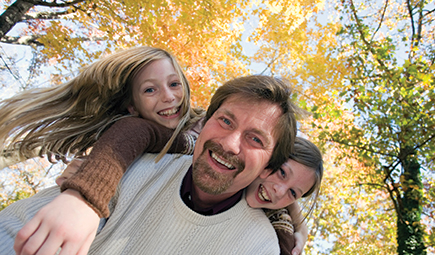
x=158, y=93
x=278, y=190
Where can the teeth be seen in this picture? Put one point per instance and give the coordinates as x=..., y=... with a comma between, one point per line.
x=169, y=112
x=215, y=157
x=263, y=195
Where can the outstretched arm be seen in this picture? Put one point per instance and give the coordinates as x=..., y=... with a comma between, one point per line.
x=70, y=221
x=117, y=148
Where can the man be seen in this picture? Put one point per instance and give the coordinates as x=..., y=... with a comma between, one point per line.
x=175, y=208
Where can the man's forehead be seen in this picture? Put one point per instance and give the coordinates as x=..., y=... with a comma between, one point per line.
x=266, y=120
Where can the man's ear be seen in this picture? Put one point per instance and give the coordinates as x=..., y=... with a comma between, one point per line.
x=265, y=173
x=132, y=110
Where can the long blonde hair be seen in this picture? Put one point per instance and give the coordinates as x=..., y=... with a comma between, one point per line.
x=66, y=120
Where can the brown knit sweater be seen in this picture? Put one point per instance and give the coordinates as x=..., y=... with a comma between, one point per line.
x=99, y=175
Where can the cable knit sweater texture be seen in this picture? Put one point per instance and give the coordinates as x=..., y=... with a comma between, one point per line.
x=98, y=176
x=149, y=217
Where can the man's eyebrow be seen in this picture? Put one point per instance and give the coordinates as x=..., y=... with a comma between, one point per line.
x=263, y=134
x=230, y=114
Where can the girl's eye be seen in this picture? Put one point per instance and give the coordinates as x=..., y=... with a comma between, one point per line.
x=293, y=193
x=149, y=90
x=282, y=172
x=175, y=84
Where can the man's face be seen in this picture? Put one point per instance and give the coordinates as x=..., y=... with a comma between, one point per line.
x=234, y=146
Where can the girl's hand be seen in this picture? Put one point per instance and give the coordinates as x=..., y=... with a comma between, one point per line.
x=301, y=229
x=67, y=222
x=300, y=240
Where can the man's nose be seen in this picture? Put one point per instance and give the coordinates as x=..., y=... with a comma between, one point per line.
x=231, y=142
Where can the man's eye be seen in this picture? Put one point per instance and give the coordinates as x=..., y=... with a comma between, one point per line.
x=226, y=121
x=257, y=140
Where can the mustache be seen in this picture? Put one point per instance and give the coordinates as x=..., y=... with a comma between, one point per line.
x=228, y=156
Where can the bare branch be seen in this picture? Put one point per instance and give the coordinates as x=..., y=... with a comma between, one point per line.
x=45, y=15
x=382, y=20
x=55, y=4
x=271, y=62
x=32, y=40
x=29, y=40
x=12, y=15
x=17, y=12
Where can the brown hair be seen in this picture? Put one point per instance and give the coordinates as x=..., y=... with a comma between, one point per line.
x=308, y=154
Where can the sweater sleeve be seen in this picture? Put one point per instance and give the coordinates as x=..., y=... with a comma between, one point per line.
x=286, y=241
x=283, y=225
x=99, y=175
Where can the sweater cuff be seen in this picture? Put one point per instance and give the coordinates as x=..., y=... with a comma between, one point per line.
x=96, y=187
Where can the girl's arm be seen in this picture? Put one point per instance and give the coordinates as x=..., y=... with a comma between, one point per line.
x=68, y=221
x=301, y=230
x=98, y=176
x=283, y=225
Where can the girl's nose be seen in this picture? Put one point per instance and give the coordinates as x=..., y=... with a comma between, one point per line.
x=280, y=190
x=167, y=96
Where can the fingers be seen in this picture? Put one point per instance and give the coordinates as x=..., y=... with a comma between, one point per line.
x=66, y=222
x=296, y=251
x=85, y=248
x=299, y=244
x=34, y=238
x=50, y=245
x=23, y=236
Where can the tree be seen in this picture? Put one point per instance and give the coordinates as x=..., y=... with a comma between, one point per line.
x=393, y=101
x=372, y=110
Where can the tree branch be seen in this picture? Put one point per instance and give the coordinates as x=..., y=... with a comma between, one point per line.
x=32, y=40
x=12, y=15
x=18, y=10
x=363, y=38
x=380, y=22
x=29, y=40
x=55, y=4
x=45, y=15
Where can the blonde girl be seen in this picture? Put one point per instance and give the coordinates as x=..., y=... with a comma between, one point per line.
x=66, y=120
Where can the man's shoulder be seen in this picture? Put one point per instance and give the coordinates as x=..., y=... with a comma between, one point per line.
x=170, y=161
x=258, y=231
x=259, y=219
x=169, y=165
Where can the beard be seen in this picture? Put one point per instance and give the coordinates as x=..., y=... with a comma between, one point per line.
x=207, y=179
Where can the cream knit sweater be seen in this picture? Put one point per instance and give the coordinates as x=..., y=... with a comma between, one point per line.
x=149, y=217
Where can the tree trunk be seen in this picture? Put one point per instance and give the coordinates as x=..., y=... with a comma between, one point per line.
x=12, y=15
x=409, y=228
